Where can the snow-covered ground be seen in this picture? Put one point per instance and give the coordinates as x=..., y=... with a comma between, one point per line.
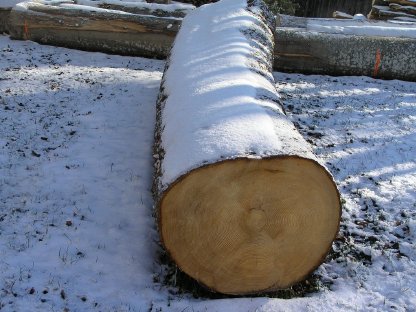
x=76, y=226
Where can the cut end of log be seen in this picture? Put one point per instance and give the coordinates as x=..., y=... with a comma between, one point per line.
x=249, y=225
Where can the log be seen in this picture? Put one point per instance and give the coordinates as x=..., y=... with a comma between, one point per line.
x=404, y=2
x=309, y=52
x=283, y=20
x=94, y=29
x=385, y=13
x=242, y=203
x=405, y=19
x=405, y=9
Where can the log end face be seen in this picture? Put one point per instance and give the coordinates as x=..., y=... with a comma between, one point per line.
x=256, y=220
x=247, y=225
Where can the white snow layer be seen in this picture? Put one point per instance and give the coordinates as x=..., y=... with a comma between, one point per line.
x=362, y=28
x=90, y=119
x=213, y=111
x=93, y=6
x=32, y=5
x=76, y=231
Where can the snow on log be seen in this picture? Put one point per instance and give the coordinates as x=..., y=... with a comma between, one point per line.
x=342, y=15
x=243, y=205
x=385, y=13
x=143, y=8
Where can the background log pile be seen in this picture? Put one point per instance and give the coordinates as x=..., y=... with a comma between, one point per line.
x=404, y=10
x=143, y=29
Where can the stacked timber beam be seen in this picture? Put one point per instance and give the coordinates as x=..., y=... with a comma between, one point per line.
x=404, y=10
x=346, y=47
x=113, y=26
x=243, y=204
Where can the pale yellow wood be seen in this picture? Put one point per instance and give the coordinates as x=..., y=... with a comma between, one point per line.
x=249, y=225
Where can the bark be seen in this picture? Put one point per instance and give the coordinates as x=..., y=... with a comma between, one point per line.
x=4, y=20
x=404, y=2
x=385, y=13
x=300, y=51
x=405, y=9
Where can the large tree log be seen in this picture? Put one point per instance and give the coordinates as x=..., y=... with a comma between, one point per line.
x=243, y=204
x=94, y=29
x=304, y=51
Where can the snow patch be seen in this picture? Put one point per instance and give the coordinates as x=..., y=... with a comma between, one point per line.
x=362, y=28
x=99, y=178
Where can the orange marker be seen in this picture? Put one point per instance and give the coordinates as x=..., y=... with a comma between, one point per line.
x=26, y=30
x=377, y=64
